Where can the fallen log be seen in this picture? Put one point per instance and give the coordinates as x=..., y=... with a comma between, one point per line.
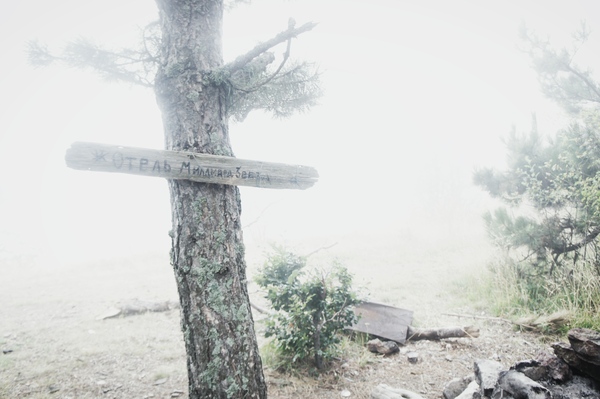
x=135, y=307
x=552, y=322
x=393, y=324
x=416, y=334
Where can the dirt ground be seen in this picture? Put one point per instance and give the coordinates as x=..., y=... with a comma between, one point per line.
x=53, y=345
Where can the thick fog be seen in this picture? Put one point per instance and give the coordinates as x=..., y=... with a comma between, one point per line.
x=416, y=95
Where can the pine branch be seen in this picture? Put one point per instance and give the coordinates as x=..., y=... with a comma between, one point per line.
x=293, y=90
x=137, y=65
x=551, y=65
x=286, y=55
x=38, y=54
x=288, y=34
x=122, y=65
x=574, y=247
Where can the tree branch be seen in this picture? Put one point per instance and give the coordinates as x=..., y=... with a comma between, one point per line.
x=573, y=247
x=320, y=249
x=288, y=34
x=286, y=55
x=259, y=216
x=587, y=82
x=561, y=63
x=133, y=66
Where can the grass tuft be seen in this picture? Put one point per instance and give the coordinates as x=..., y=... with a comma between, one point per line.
x=549, y=304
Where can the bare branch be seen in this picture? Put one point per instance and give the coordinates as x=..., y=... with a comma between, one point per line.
x=286, y=55
x=320, y=249
x=478, y=317
x=259, y=216
x=288, y=34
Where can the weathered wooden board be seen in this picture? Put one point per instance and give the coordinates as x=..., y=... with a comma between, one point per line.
x=383, y=321
x=189, y=166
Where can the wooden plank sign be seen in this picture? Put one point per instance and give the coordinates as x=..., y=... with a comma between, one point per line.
x=189, y=166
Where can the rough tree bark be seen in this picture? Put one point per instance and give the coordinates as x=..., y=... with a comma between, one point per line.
x=207, y=249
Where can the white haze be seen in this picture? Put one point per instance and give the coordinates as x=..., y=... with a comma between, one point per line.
x=417, y=94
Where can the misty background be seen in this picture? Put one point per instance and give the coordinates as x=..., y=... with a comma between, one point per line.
x=416, y=95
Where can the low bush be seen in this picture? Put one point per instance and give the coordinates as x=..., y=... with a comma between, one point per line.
x=310, y=307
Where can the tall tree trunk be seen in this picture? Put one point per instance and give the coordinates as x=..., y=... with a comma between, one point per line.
x=207, y=247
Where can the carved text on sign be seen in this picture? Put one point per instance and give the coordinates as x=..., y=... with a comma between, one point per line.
x=191, y=166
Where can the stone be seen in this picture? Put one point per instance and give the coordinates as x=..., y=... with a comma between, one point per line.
x=470, y=392
x=532, y=369
x=513, y=384
x=456, y=386
x=487, y=373
x=586, y=343
x=413, y=357
x=556, y=368
x=385, y=348
x=576, y=361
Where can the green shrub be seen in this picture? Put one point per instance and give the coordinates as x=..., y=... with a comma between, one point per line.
x=310, y=307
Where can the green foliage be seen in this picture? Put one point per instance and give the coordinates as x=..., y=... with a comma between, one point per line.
x=311, y=307
x=292, y=89
x=550, y=225
x=279, y=267
x=283, y=90
x=560, y=78
x=137, y=65
x=551, y=188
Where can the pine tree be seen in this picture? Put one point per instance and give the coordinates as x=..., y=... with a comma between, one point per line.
x=180, y=57
x=552, y=185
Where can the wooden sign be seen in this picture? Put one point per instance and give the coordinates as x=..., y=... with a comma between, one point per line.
x=189, y=166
